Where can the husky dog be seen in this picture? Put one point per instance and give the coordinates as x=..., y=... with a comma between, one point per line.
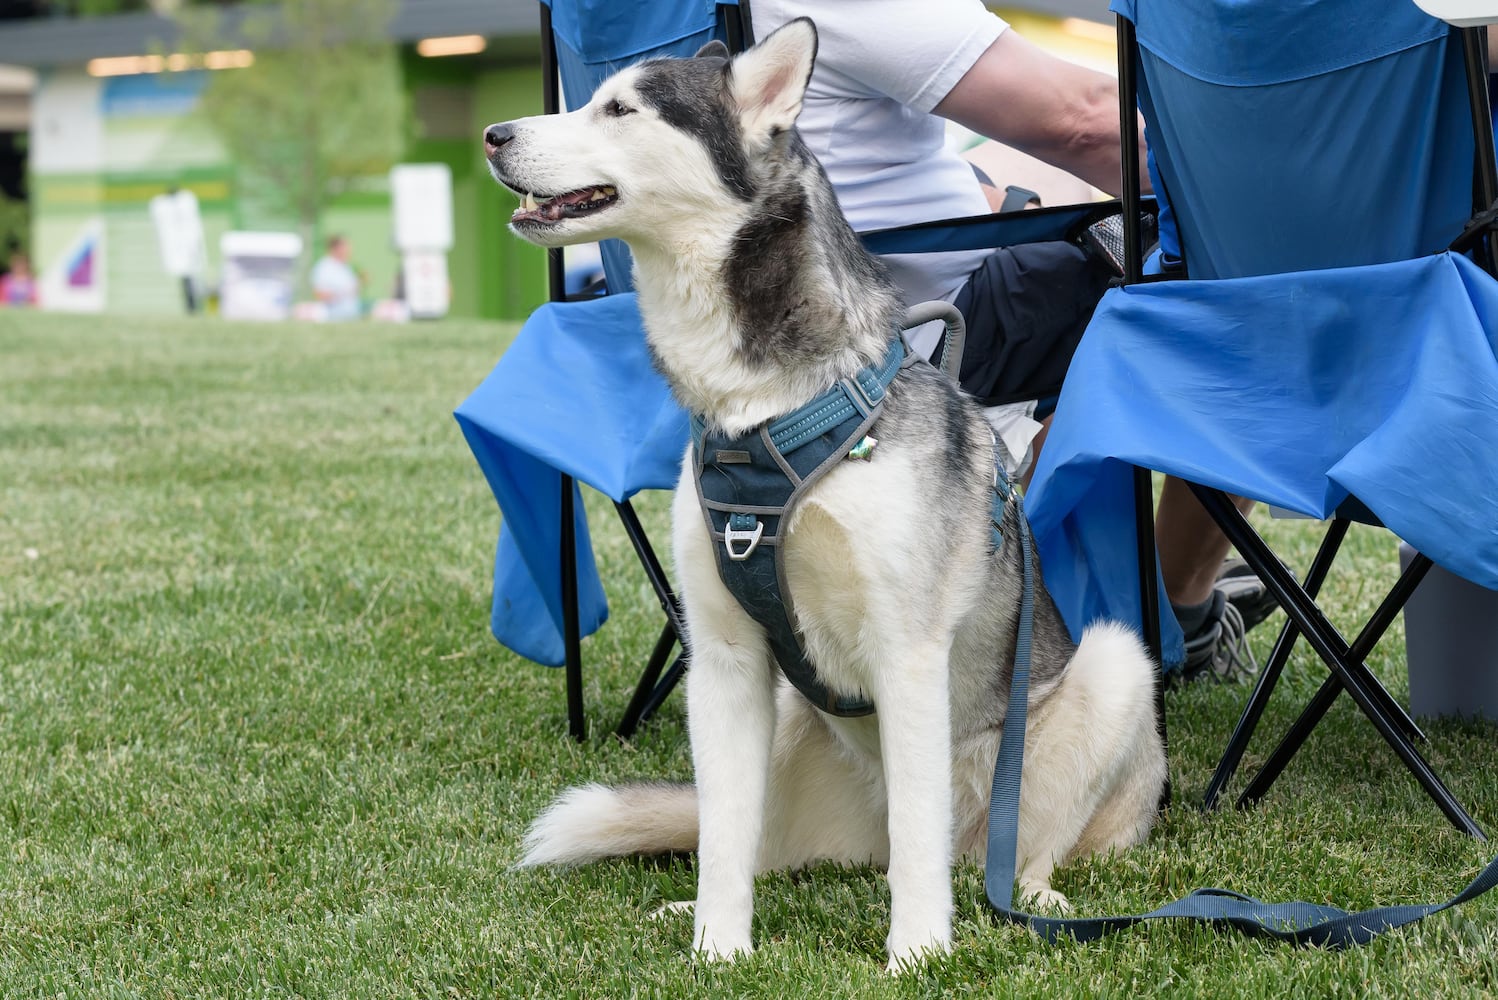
x=756, y=297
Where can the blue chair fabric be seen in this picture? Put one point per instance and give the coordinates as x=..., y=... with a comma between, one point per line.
x=1191, y=378
x=575, y=395
x=1313, y=156
x=1278, y=125
x=1239, y=214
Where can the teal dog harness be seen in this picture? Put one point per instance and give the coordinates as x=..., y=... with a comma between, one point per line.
x=748, y=486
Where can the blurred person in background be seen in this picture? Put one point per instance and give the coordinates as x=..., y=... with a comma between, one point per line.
x=335, y=282
x=18, y=284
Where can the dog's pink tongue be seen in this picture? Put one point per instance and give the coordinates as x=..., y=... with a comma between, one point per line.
x=552, y=210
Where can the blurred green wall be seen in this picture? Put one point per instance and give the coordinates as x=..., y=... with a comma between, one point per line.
x=493, y=274
x=159, y=145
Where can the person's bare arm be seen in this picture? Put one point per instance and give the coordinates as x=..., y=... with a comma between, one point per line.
x=1052, y=109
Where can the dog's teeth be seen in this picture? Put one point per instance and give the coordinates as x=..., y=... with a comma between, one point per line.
x=597, y=195
x=529, y=202
x=608, y=192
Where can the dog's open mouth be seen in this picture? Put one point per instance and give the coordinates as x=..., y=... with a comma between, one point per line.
x=556, y=207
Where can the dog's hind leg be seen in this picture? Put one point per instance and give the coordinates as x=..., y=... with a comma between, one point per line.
x=1094, y=765
x=1127, y=813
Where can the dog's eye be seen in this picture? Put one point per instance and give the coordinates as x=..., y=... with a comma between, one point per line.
x=616, y=110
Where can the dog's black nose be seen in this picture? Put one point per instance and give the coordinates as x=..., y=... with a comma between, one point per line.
x=497, y=135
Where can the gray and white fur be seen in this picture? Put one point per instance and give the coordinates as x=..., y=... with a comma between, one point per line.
x=757, y=297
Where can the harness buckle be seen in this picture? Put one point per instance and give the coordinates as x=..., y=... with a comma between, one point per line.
x=865, y=397
x=748, y=537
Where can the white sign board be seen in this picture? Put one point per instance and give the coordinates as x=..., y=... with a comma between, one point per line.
x=73, y=280
x=421, y=197
x=257, y=274
x=424, y=276
x=179, y=233
x=67, y=125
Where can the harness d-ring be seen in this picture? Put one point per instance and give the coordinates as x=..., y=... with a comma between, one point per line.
x=737, y=531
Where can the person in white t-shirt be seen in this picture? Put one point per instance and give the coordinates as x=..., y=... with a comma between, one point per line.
x=335, y=283
x=889, y=74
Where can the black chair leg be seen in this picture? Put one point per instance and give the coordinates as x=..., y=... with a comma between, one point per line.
x=1248, y=722
x=1149, y=600
x=649, y=695
x=1322, y=701
x=1417, y=765
x=571, y=641
x=651, y=564
x=652, y=689
x=666, y=686
x=634, y=711
x=1330, y=646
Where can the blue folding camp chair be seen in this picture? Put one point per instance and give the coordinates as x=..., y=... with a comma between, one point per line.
x=575, y=399
x=1326, y=354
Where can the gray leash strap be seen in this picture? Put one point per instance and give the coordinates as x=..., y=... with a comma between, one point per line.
x=1296, y=922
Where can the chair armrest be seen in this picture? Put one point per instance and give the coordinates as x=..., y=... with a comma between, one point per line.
x=986, y=232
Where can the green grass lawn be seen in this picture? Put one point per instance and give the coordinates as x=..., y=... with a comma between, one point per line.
x=256, y=740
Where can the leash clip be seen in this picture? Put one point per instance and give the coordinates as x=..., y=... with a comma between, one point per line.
x=742, y=535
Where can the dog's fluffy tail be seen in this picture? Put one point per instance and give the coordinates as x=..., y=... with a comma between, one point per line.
x=1113, y=662
x=591, y=822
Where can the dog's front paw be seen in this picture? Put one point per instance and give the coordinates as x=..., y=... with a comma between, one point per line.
x=908, y=951
x=716, y=947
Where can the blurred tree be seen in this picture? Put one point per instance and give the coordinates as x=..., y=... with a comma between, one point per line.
x=321, y=108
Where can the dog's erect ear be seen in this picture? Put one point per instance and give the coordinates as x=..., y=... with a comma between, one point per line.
x=712, y=50
x=769, y=80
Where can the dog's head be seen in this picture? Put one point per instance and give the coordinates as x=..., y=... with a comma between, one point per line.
x=661, y=147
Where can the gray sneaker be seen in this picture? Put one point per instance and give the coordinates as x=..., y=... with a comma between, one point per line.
x=1246, y=592
x=1218, y=648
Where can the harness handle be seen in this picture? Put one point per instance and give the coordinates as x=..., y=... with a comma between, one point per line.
x=955, y=342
